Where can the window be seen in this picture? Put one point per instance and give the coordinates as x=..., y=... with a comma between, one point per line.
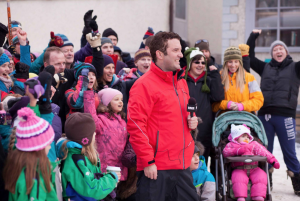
x=278, y=20
x=180, y=9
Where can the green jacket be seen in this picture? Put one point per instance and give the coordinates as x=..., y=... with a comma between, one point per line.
x=80, y=175
x=38, y=192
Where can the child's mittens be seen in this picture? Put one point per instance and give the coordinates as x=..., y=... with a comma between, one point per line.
x=275, y=163
x=85, y=72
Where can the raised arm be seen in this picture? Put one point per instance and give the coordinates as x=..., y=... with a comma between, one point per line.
x=256, y=64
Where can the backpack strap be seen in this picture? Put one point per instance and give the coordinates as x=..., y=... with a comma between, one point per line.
x=76, y=158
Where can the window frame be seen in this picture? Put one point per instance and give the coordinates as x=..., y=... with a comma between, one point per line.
x=250, y=24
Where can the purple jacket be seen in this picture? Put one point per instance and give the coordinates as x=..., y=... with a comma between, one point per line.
x=83, y=52
x=111, y=136
x=56, y=122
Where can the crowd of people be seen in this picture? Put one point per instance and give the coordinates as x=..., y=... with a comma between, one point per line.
x=97, y=124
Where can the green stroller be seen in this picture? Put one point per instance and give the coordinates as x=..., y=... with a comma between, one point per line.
x=223, y=170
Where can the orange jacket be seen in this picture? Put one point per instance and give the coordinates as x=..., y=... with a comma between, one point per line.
x=157, y=121
x=251, y=98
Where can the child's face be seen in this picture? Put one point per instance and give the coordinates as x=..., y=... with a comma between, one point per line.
x=117, y=103
x=195, y=162
x=244, y=138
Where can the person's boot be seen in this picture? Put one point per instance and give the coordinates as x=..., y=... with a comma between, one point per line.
x=271, y=170
x=295, y=177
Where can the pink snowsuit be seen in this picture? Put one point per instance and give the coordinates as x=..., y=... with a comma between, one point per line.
x=257, y=176
x=111, y=136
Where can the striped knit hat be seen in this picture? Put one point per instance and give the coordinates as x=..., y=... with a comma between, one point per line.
x=78, y=66
x=33, y=133
x=65, y=39
x=141, y=53
x=233, y=53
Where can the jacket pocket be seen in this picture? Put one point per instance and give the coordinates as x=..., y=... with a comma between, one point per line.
x=157, y=140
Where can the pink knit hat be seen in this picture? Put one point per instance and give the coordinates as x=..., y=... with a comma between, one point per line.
x=33, y=133
x=107, y=94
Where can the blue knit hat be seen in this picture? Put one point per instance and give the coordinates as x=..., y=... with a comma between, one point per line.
x=66, y=40
x=105, y=40
x=3, y=59
x=80, y=65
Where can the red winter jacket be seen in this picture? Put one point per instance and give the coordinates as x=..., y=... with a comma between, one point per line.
x=157, y=121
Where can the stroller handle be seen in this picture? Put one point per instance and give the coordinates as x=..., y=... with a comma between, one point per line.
x=245, y=159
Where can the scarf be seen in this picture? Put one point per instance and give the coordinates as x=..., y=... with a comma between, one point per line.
x=6, y=81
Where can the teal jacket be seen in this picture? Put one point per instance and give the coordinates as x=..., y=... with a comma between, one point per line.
x=38, y=192
x=204, y=181
x=80, y=178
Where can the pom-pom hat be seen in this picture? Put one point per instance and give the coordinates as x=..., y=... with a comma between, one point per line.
x=237, y=131
x=33, y=133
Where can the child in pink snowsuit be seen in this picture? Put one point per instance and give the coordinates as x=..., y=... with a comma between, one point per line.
x=241, y=143
x=111, y=129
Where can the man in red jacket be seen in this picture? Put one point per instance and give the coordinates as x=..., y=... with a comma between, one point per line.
x=159, y=125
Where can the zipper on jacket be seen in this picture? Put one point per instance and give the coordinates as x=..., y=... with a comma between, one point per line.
x=181, y=119
x=157, y=139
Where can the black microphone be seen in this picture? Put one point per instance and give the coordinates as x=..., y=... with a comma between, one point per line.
x=192, y=106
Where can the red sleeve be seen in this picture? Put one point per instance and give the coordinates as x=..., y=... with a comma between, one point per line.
x=139, y=108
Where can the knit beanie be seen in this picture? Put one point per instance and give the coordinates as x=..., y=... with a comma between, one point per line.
x=107, y=94
x=278, y=42
x=110, y=32
x=199, y=148
x=80, y=128
x=80, y=65
x=14, y=105
x=5, y=102
x=3, y=59
x=202, y=44
x=237, y=131
x=233, y=53
x=33, y=133
x=189, y=54
x=105, y=40
x=107, y=60
x=117, y=49
x=141, y=53
x=7, y=53
x=148, y=33
x=65, y=39
x=22, y=70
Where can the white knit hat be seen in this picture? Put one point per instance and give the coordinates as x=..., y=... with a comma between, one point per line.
x=237, y=131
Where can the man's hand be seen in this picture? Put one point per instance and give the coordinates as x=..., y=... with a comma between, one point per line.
x=53, y=90
x=212, y=67
x=192, y=122
x=151, y=172
x=22, y=36
x=256, y=31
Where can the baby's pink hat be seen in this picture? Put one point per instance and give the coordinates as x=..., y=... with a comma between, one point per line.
x=33, y=133
x=107, y=94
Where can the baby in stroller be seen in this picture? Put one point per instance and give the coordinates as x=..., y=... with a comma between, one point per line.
x=241, y=143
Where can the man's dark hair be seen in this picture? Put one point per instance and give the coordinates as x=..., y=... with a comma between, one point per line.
x=48, y=52
x=160, y=42
x=148, y=40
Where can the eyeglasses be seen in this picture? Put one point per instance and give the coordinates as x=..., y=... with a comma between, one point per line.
x=201, y=40
x=198, y=62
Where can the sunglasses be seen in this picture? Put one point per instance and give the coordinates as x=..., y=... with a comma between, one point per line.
x=201, y=40
x=198, y=62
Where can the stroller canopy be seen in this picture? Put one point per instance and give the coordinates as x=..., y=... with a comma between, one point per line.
x=235, y=117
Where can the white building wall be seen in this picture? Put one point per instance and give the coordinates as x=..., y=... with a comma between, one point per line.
x=129, y=18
